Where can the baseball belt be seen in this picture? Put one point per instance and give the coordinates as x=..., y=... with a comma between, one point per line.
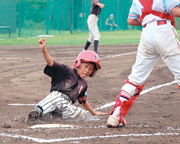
x=66, y=97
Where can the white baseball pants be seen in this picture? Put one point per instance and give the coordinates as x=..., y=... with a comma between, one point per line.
x=93, y=28
x=56, y=101
x=156, y=41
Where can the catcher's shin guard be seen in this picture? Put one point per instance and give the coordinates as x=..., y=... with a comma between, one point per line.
x=125, y=100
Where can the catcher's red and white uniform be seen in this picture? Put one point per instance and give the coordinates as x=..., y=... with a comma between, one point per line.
x=158, y=40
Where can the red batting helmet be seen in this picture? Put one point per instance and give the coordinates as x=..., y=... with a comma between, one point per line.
x=88, y=56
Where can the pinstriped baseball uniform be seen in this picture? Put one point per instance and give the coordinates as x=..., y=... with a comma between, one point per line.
x=158, y=40
x=66, y=80
x=66, y=88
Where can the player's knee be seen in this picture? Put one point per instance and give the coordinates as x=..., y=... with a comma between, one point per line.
x=97, y=37
x=91, y=39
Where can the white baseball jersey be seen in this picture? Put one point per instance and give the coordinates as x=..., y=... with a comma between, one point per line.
x=157, y=41
x=158, y=5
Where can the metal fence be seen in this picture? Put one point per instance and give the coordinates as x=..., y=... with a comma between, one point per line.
x=28, y=18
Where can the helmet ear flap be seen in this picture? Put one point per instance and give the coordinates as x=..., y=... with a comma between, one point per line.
x=77, y=63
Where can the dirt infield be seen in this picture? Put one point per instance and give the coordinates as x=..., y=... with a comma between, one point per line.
x=154, y=118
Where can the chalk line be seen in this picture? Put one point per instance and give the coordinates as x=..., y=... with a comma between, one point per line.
x=86, y=137
x=123, y=54
x=111, y=103
x=94, y=137
x=15, y=58
x=143, y=92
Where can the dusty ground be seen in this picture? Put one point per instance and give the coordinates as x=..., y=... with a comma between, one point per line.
x=154, y=118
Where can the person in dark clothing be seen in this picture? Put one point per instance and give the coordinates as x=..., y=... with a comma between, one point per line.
x=94, y=34
x=67, y=86
x=110, y=23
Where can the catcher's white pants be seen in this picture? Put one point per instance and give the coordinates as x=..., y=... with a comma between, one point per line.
x=156, y=41
x=59, y=102
x=93, y=28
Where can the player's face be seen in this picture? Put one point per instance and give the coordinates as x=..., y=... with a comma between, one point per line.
x=85, y=69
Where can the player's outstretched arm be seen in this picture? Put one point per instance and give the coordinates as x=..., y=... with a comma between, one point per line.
x=46, y=55
x=134, y=22
x=91, y=110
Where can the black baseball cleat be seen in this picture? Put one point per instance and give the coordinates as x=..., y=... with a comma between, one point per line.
x=33, y=116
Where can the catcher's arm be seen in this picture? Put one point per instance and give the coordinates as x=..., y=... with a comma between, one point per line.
x=91, y=110
x=134, y=22
x=176, y=11
x=46, y=55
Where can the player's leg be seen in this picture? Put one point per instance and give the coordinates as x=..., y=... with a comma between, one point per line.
x=90, y=27
x=126, y=98
x=87, y=45
x=45, y=106
x=61, y=103
x=170, y=51
x=95, y=33
x=145, y=61
x=69, y=111
x=55, y=101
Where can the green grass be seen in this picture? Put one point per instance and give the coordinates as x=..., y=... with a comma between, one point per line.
x=65, y=38
x=77, y=38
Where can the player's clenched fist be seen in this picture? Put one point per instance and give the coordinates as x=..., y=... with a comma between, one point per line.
x=46, y=55
x=42, y=44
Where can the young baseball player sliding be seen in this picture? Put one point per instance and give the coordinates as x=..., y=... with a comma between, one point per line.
x=67, y=86
x=94, y=34
x=158, y=39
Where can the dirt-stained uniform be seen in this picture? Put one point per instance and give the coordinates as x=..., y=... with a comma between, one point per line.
x=66, y=88
x=66, y=80
x=94, y=34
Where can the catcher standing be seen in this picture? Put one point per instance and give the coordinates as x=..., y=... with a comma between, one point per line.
x=94, y=34
x=67, y=86
x=158, y=40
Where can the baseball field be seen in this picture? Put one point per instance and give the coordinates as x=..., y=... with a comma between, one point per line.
x=153, y=119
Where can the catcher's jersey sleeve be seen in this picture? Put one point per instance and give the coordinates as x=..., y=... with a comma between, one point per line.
x=66, y=80
x=169, y=4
